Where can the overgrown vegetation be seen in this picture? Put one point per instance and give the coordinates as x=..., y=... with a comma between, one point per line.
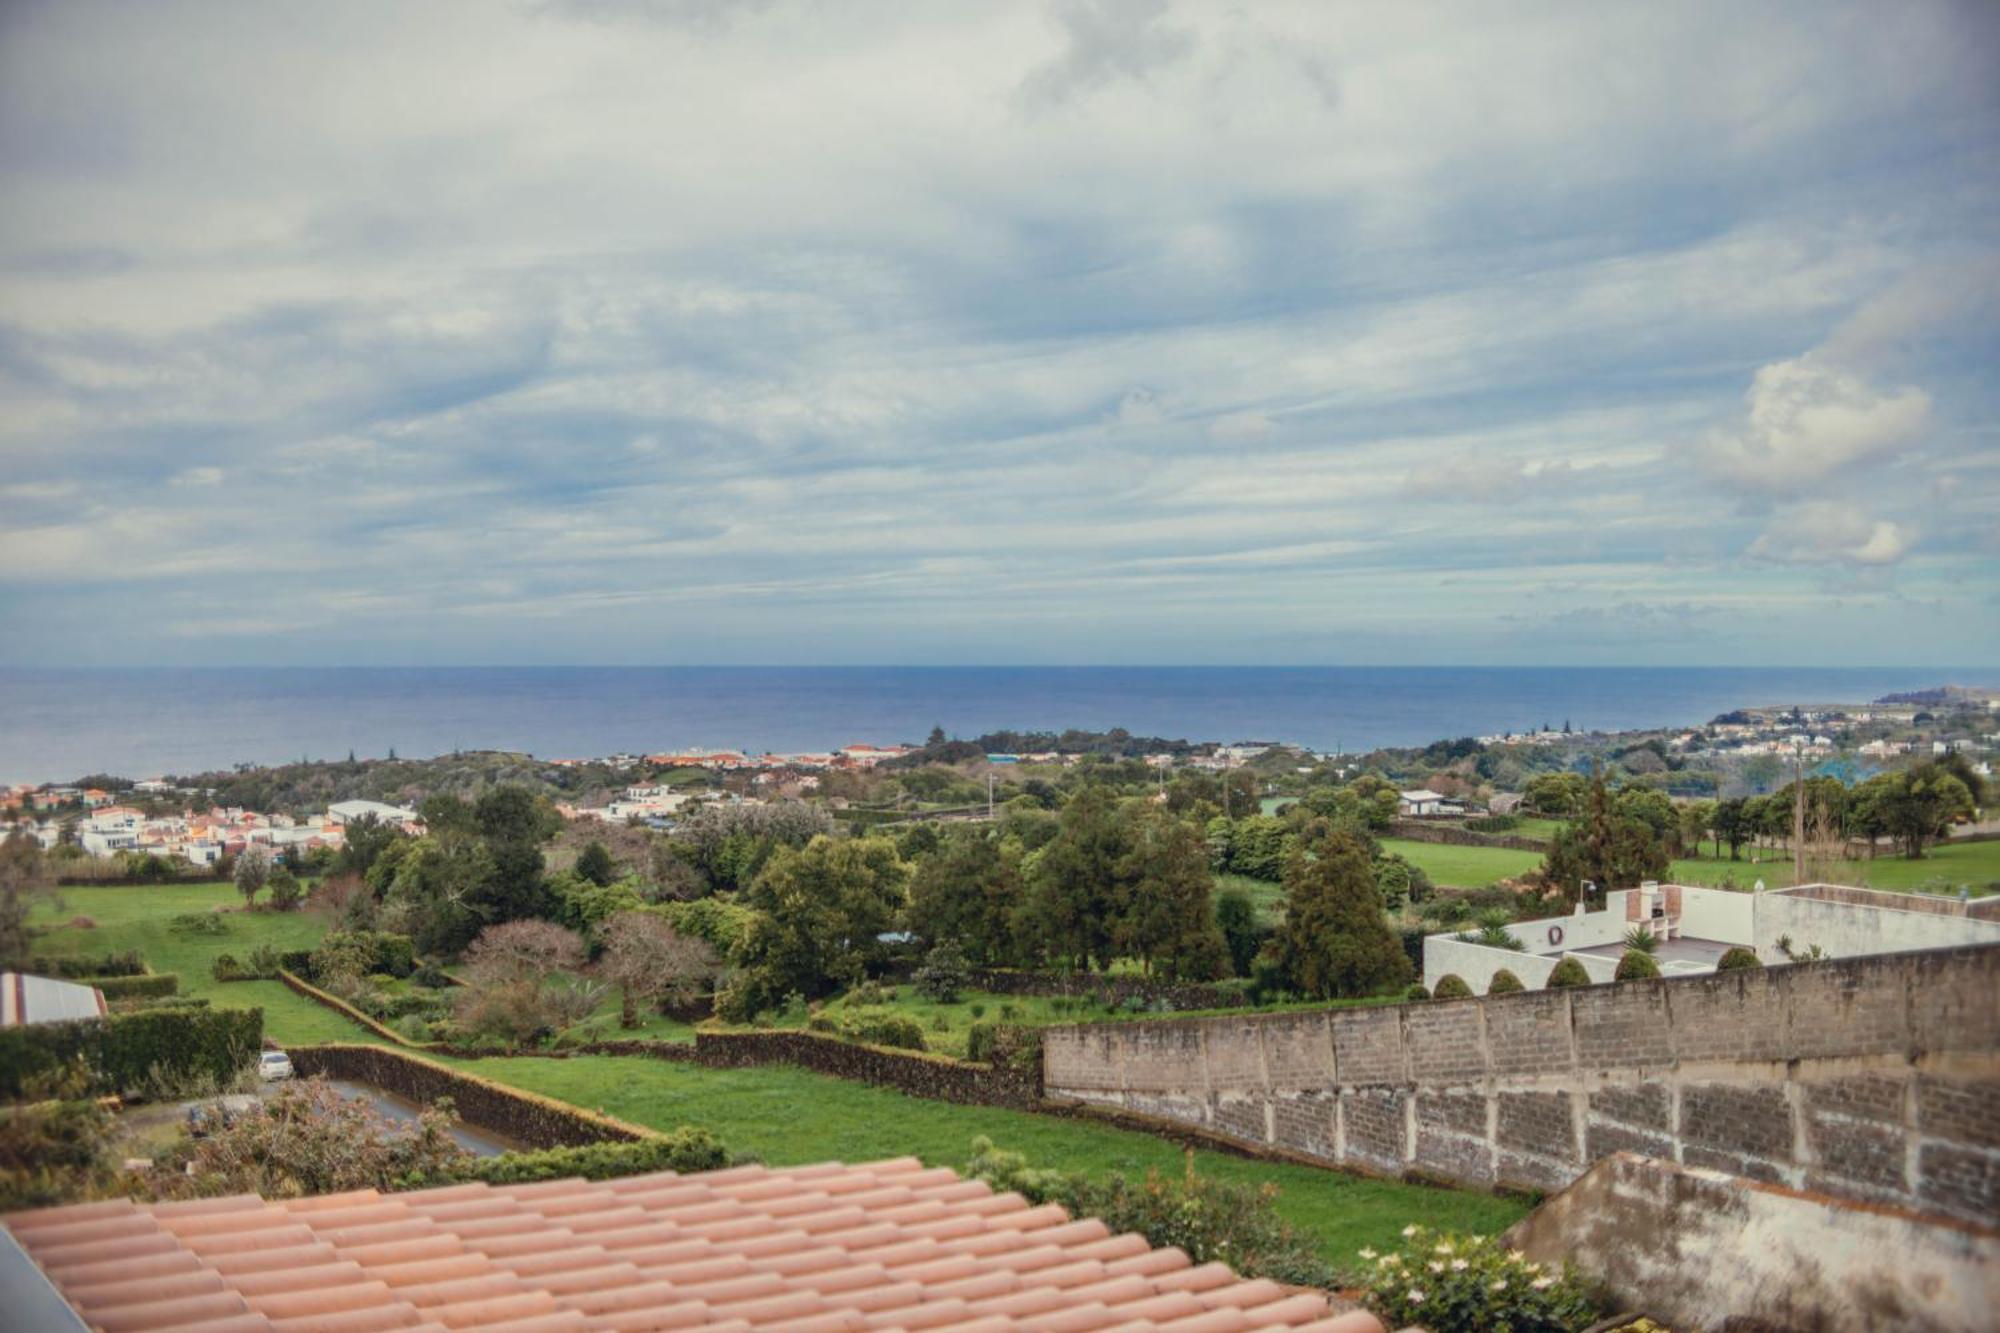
x=1450, y=1283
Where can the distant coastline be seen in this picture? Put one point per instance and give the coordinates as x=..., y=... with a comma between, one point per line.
x=58, y=725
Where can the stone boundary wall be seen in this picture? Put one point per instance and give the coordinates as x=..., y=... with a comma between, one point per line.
x=1103, y=989
x=915, y=1072
x=542, y=1122
x=1420, y=830
x=1872, y=1078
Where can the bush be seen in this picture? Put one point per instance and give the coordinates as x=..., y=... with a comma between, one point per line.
x=1641, y=940
x=1737, y=959
x=1493, y=824
x=1636, y=966
x=897, y=1030
x=1451, y=986
x=286, y=891
x=943, y=975
x=127, y=964
x=1470, y=1284
x=130, y=1051
x=298, y=962
x=1208, y=1219
x=430, y=976
x=199, y=923
x=153, y=985
x=1568, y=972
x=684, y=1150
x=159, y=1002
x=721, y=922
x=1504, y=983
x=1416, y=992
x=55, y=1152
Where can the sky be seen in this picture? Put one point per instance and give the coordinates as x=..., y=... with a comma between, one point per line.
x=1092, y=331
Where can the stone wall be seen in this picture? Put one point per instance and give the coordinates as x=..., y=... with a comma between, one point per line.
x=1705, y=1250
x=1874, y=1078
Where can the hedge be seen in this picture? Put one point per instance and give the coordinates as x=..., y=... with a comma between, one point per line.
x=390, y=953
x=122, y=1051
x=687, y=1149
x=153, y=985
x=160, y=1002
x=922, y=1075
x=526, y=1116
x=1107, y=990
x=342, y=1007
x=127, y=964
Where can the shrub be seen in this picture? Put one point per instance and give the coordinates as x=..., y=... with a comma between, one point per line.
x=1494, y=823
x=430, y=976
x=127, y=964
x=151, y=986
x=897, y=1030
x=1416, y=992
x=1568, y=972
x=1737, y=959
x=1636, y=966
x=1641, y=940
x=157, y=1002
x=1208, y=1219
x=127, y=1051
x=721, y=922
x=684, y=1150
x=1504, y=983
x=199, y=923
x=1003, y=1044
x=55, y=1151
x=1470, y=1284
x=978, y=1010
x=943, y=975
x=1451, y=986
x=287, y=894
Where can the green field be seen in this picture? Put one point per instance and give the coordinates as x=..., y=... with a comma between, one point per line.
x=783, y=1115
x=1463, y=867
x=1944, y=869
x=788, y=1116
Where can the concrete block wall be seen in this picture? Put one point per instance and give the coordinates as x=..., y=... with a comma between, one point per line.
x=1873, y=1078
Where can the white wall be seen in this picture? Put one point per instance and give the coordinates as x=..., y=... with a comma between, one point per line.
x=1719, y=914
x=1586, y=931
x=1845, y=930
x=1475, y=964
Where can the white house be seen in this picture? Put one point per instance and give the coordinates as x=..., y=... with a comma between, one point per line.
x=346, y=812
x=1419, y=803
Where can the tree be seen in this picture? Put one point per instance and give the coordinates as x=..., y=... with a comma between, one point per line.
x=1556, y=794
x=1605, y=848
x=513, y=823
x=1169, y=923
x=1697, y=818
x=253, y=872
x=943, y=976
x=1915, y=806
x=970, y=890
x=1335, y=942
x=431, y=890
x=821, y=911
x=364, y=840
x=1077, y=896
x=286, y=891
x=594, y=864
x=652, y=963
x=1236, y=917
x=521, y=983
x=1732, y=826
x=24, y=879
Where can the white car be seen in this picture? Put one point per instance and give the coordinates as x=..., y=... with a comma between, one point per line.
x=274, y=1065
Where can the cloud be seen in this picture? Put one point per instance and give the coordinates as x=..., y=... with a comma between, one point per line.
x=1807, y=421
x=1095, y=332
x=1105, y=41
x=1822, y=532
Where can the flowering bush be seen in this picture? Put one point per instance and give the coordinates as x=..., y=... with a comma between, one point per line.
x=1469, y=1284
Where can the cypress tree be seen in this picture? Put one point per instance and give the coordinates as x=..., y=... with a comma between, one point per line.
x=1335, y=942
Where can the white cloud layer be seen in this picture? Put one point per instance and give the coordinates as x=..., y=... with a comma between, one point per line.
x=1106, y=330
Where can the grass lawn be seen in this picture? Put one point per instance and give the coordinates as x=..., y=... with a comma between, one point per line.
x=1463, y=867
x=137, y=917
x=1944, y=869
x=788, y=1116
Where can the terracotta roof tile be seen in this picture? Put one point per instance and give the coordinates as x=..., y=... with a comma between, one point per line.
x=824, y=1248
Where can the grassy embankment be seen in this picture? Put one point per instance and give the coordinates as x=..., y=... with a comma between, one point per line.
x=783, y=1115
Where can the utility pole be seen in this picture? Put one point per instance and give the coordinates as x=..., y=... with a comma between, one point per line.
x=1798, y=813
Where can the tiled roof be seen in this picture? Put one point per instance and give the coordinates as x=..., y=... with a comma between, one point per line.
x=888, y=1245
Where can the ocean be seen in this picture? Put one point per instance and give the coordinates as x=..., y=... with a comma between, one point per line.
x=61, y=724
